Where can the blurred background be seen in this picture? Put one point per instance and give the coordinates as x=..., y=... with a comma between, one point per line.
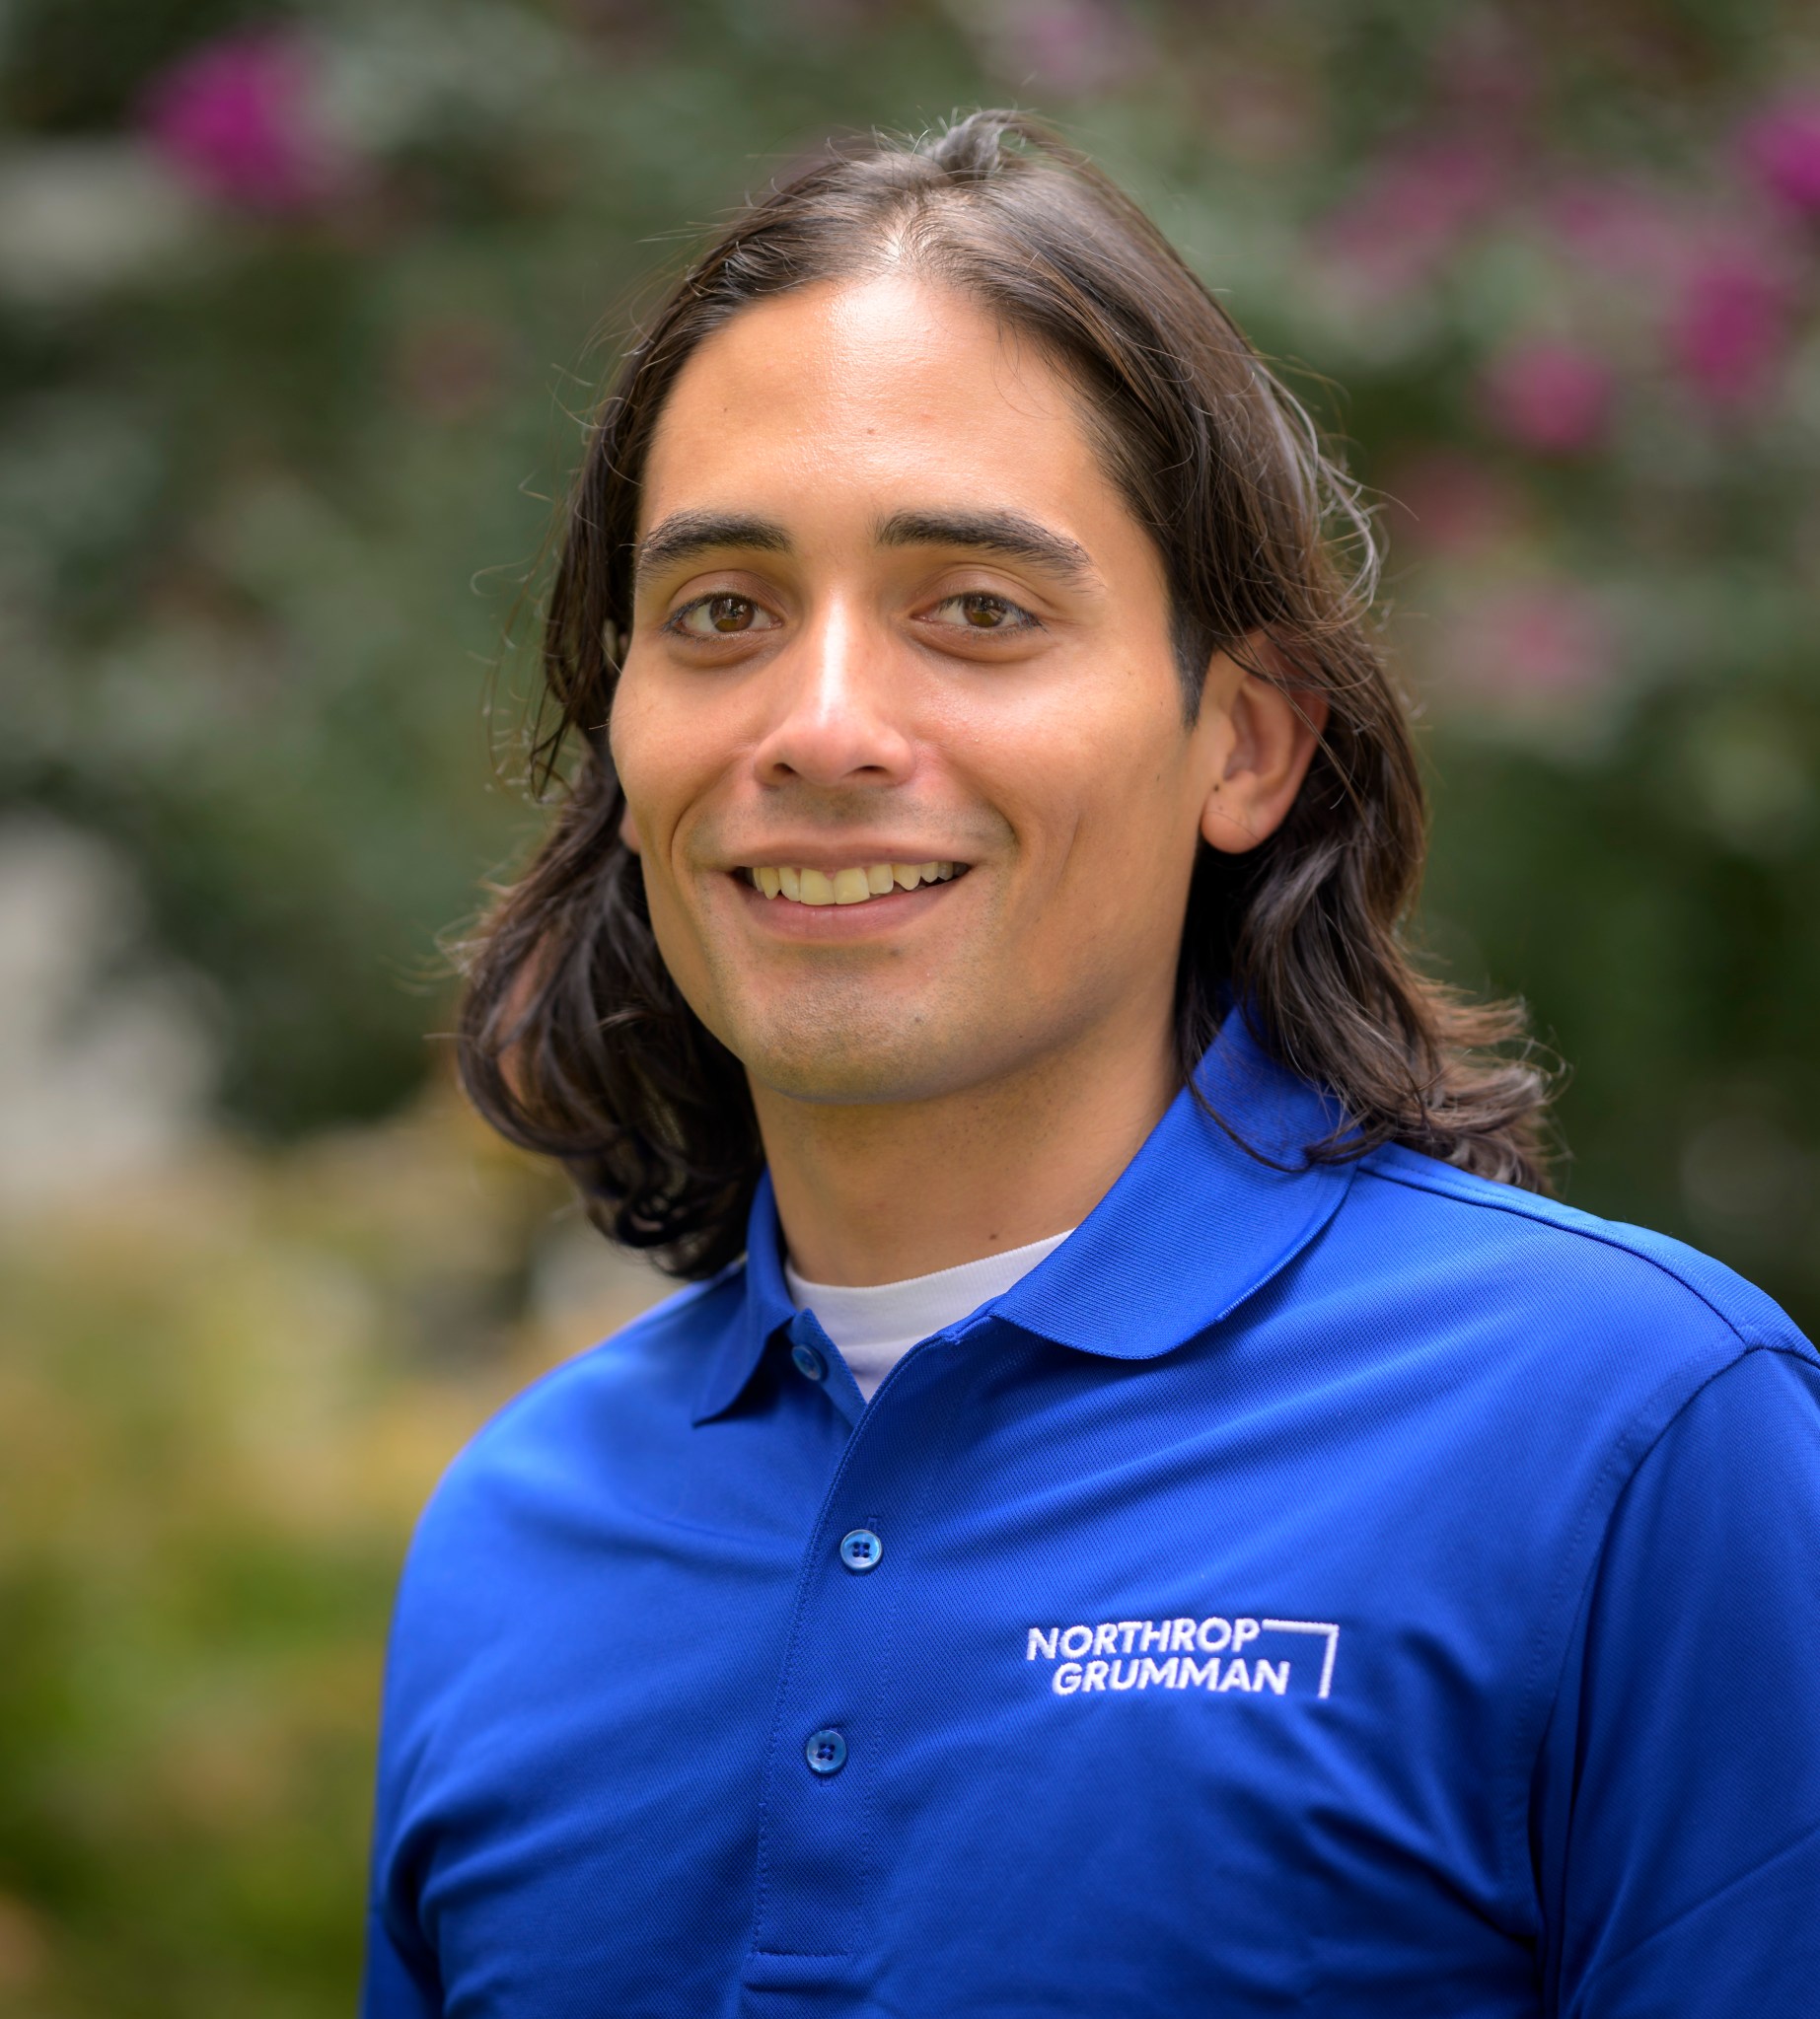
x=299, y=307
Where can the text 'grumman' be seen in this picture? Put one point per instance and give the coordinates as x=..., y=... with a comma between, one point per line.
x=1209, y=1654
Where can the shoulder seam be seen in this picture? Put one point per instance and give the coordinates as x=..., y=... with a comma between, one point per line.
x=1524, y=1205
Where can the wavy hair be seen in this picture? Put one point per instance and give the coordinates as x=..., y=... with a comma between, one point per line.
x=574, y=1042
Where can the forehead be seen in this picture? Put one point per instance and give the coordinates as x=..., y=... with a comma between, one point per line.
x=839, y=404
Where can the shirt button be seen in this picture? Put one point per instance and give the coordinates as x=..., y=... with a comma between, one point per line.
x=809, y=1363
x=825, y=1752
x=860, y=1549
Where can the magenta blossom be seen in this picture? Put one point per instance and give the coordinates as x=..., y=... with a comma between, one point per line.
x=1730, y=328
x=1068, y=47
x=1622, y=227
x=1415, y=203
x=236, y=119
x=1546, y=639
x=1551, y=397
x=1446, y=503
x=1779, y=147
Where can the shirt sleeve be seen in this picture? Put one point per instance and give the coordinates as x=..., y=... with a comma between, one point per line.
x=401, y=1980
x=390, y=1988
x=1676, y=1821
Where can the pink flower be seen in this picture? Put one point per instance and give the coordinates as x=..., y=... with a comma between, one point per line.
x=1621, y=228
x=1452, y=504
x=1549, y=396
x=1779, y=147
x=236, y=119
x=1067, y=47
x=1534, y=642
x=1415, y=203
x=1730, y=329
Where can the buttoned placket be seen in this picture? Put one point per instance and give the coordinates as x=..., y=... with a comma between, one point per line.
x=831, y=1730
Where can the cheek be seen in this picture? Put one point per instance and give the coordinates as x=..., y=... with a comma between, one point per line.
x=625, y=738
x=685, y=942
x=1120, y=793
x=1125, y=853
x=652, y=757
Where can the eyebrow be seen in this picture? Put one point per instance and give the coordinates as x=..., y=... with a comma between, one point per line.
x=688, y=535
x=1008, y=533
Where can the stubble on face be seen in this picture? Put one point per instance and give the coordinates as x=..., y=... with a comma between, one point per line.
x=1063, y=774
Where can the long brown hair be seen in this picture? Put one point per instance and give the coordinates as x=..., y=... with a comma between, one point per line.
x=574, y=1040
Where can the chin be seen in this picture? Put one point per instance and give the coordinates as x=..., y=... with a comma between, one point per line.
x=849, y=1061
x=851, y=1075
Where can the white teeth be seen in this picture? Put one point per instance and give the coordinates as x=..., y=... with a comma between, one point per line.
x=849, y=885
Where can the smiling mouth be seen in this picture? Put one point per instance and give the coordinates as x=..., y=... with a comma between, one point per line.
x=849, y=885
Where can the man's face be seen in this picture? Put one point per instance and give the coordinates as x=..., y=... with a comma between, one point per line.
x=891, y=614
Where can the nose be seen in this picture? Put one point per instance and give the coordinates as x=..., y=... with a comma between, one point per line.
x=838, y=710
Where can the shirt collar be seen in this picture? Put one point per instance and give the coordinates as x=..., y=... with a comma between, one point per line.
x=1195, y=1224
x=768, y=1308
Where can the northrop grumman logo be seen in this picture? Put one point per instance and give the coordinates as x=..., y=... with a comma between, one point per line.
x=1215, y=1654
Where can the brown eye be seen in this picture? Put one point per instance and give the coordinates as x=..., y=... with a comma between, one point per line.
x=980, y=611
x=721, y=616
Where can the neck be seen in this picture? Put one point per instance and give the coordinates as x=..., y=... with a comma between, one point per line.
x=875, y=1194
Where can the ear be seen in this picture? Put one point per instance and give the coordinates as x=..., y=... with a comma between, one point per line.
x=628, y=831
x=1264, y=736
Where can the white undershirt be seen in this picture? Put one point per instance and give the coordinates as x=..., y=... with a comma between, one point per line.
x=876, y=1324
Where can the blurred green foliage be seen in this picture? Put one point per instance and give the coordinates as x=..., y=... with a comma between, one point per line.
x=298, y=309
x=222, y=1402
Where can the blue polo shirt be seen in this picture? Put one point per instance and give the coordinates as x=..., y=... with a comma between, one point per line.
x=1355, y=1590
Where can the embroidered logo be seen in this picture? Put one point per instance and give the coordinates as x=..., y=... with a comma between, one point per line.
x=1181, y=1654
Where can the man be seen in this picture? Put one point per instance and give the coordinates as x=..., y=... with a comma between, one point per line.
x=1145, y=1511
